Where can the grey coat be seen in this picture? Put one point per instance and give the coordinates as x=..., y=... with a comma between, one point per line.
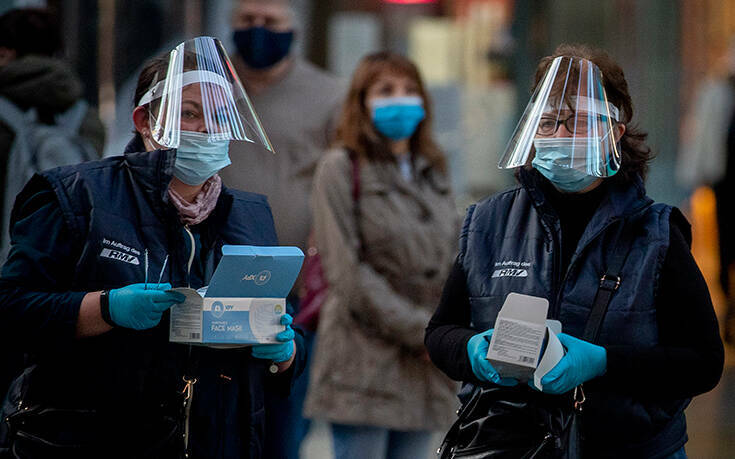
x=370, y=366
x=298, y=114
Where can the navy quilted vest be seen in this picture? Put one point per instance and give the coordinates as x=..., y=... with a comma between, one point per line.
x=511, y=241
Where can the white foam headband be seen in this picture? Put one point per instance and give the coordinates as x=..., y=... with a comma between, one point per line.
x=593, y=105
x=187, y=78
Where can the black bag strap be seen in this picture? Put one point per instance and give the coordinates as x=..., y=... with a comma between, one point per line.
x=355, y=160
x=609, y=281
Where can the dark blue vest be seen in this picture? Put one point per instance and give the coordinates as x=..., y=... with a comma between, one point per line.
x=511, y=242
x=117, y=210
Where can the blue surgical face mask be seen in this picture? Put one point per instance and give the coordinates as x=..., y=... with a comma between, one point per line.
x=397, y=117
x=261, y=47
x=198, y=157
x=553, y=163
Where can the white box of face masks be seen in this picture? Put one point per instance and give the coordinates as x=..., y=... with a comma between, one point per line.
x=244, y=301
x=520, y=329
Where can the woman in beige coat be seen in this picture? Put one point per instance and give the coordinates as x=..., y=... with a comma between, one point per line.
x=385, y=254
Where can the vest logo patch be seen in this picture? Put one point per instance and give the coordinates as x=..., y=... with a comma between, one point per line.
x=115, y=255
x=510, y=272
x=120, y=252
x=511, y=268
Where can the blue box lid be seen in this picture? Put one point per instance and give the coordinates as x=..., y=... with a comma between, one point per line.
x=247, y=271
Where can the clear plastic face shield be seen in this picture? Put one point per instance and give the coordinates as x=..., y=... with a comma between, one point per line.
x=568, y=122
x=201, y=95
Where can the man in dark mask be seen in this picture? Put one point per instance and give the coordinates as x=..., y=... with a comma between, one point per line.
x=297, y=104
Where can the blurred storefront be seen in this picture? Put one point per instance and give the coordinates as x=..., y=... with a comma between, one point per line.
x=478, y=57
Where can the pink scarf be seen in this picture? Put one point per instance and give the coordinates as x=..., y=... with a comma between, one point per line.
x=195, y=212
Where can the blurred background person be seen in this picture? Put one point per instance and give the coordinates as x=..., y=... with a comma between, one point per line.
x=96, y=249
x=385, y=253
x=707, y=158
x=581, y=163
x=36, y=86
x=297, y=102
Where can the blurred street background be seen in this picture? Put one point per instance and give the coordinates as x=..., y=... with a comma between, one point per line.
x=478, y=57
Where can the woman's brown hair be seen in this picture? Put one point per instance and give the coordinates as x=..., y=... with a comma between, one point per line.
x=355, y=129
x=635, y=153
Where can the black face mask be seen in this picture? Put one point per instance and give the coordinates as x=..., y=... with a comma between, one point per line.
x=260, y=47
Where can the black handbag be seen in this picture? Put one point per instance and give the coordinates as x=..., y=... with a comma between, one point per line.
x=518, y=422
x=42, y=430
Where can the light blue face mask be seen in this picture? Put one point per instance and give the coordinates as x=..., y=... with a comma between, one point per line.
x=552, y=160
x=198, y=158
x=397, y=117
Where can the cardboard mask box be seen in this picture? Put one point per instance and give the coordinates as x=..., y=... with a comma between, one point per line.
x=520, y=329
x=244, y=301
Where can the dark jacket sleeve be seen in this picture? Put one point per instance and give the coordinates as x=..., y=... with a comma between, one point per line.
x=36, y=308
x=449, y=329
x=280, y=384
x=690, y=356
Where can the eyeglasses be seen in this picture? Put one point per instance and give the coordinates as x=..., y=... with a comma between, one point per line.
x=575, y=124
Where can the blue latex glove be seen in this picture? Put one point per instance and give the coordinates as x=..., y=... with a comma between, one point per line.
x=582, y=362
x=134, y=306
x=477, y=348
x=279, y=352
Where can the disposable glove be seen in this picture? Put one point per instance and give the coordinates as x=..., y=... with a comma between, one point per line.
x=582, y=362
x=134, y=306
x=279, y=352
x=477, y=348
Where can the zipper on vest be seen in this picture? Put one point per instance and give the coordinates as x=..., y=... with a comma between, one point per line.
x=556, y=277
x=573, y=261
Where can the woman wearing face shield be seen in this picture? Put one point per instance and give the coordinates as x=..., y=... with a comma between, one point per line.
x=96, y=250
x=385, y=226
x=638, y=329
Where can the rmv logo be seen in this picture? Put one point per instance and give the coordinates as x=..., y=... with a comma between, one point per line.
x=510, y=272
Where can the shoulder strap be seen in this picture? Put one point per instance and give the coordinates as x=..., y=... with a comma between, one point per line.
x=355, y=160
x=12, y=115
x=73, y=117
x=610, y=280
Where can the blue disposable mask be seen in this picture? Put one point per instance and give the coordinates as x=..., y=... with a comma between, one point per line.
x=397, y=117
x=198, y=157
x=552, y=161
x=261, y=47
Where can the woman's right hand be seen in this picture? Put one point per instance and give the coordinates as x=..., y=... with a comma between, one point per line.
x=139, y=306
x=477, y=348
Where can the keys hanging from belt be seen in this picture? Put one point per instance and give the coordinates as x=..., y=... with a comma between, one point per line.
x=188, y=393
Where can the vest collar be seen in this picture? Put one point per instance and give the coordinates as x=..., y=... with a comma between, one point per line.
x=621, y=200
x=153, y=169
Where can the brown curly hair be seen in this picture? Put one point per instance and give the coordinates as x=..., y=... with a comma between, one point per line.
x=636, y=154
